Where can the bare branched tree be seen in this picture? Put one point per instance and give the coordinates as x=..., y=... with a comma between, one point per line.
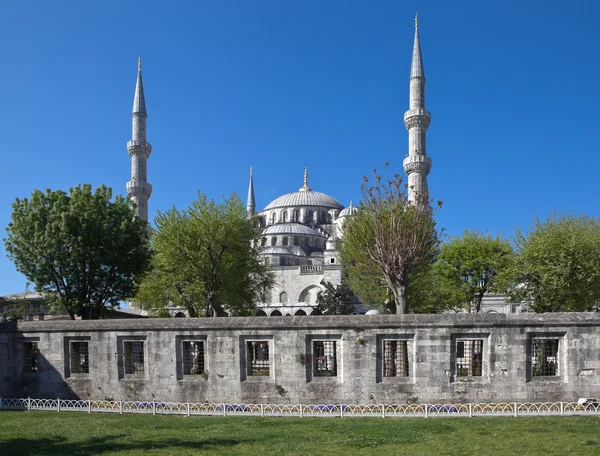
x=389, y=239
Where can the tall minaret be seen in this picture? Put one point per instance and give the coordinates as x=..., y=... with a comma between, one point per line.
x=250, y=203
x=138, y=189
x=417, y=164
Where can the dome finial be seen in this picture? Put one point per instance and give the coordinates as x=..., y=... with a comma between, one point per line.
x=305, y=186
x=139, y=62
x=417, y=20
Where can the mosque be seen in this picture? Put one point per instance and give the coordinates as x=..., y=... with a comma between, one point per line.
x=300, y=229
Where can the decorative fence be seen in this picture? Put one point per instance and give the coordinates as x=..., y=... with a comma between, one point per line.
x=300, y=410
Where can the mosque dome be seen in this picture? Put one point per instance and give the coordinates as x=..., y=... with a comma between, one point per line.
x=290, y=228
x=275, y=251
x=350, y=210
x=304, y=198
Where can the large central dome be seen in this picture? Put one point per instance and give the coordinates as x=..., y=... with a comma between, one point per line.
x=305, y=198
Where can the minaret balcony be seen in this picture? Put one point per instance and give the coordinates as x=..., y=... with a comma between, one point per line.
x=139, y=148
x=417, y=118
x=139, y=189
x=417, y=164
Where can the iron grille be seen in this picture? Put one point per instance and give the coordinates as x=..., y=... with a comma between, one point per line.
x=258, y=358
x=134, y=357
x=325, y=358
x=30, y=357
x=395, y=358
x=469, y=358
x=193, y=357
x=80, y=360
x=544, y=360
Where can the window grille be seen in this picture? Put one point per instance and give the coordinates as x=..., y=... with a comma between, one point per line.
x=193, y=357
x=544, y=359
x=30, y=357
x=325, y=358
x=395, y=358
x=134, y=357
x=469, y=358
x=80, y=360
x=258, y=358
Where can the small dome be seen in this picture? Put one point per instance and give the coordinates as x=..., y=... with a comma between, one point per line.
x=373, y=312
x=290, y=228
x=304, y=198
x=275, y=251
x=350, y=210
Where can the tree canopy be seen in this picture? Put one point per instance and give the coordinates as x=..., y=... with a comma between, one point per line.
x=558, y=264
x=334, y=300
x=472, y=265
x=207, y=259
x=386, y=241
x=81, y=248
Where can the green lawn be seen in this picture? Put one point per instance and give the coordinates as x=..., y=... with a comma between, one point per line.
x=52, y=433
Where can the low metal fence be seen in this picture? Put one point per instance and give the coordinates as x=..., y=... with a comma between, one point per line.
x=514, y=409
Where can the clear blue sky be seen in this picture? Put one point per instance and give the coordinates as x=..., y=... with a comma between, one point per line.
x=513, y=89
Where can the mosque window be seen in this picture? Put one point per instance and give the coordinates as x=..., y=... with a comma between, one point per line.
x=263, y=241
x=267, y=261
x=79, y=357
x=274, y=241
x=332, y=260
x=328, y=218
x=134, y=357
x=469, y=358
x=284, y=241
x=297, y=216
x=395, y=358
x=257, y=352
x=273, y=218
x=325, y=358
x=193, y=357
x=283, y=298
x=284, y=217
x=296, y=241
x=310, y=217
x=544, y=357
x=30, y=357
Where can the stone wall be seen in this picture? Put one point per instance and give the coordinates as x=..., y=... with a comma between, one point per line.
x=449, y=358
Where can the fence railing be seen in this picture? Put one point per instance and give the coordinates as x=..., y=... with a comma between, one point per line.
x=301, y=410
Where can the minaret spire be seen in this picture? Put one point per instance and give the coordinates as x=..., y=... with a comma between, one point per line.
x=305, y=187
x=417, y=164
x=138, y=188
x=251, y=204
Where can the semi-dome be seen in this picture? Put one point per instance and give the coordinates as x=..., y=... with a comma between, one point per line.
x=306, y=198
x=290, y=228
x=275, y=251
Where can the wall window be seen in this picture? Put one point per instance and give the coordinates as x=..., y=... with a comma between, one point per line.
x=257, y=352
x=544, y=357
x=263, y=241
x=284, y=241
x=273, y=241
x=193, y=357
x=273, y=218
x=325, y=358
x=79, y=357
x=395, y=358
x=30, y=357
x=134, y=357
x=285, y=217
x=297, y=216
x=296, y=241
x=469, y=357
x=283, y=298
x=310, y=218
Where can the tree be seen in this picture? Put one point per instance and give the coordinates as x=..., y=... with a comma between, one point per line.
x=81, y=248
x=334, y=300
x=473, y=265
x=387, y=240
x=558, y=264
x=206, y=259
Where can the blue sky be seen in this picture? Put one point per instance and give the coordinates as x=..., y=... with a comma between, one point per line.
x=513, y=89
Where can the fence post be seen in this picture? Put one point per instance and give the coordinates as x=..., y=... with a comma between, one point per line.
x=470, y=410
x=58, y=404
x=224, y=409
x=382, y=410
x=262, y=410
x=426, y=411
x=28, y=404
x=562, y=410
x=301, y=411
x=516, y=410
x=153, y=408
x=121, y=407
x=89, y=406
x=341, y=411
x=0, y=403
x=188, y=409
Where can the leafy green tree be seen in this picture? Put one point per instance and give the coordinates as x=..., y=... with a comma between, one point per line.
x=206, y=259
x=473, y=265
x=81, y=248
x=334, y=300
x=428, y=292
x=386, y=241
x=558, y=264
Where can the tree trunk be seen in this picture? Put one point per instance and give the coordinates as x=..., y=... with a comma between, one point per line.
x=401, y=299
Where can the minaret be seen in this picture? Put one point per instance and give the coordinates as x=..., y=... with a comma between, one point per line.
x=417, y=164
x=138, y=189
x=250, y=202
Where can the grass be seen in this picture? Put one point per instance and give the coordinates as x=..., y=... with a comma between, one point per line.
x=52, y=433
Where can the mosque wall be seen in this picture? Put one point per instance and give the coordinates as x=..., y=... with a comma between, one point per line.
x=342, y=359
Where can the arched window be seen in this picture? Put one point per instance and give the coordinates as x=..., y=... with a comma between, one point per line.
x=260, y=313
x=273, y=241
x=276, y=313
x=310, y=217
x=283, y=298
x=267, y=261
x=284, y=218
x=296, y=241
x=273, y=218
x=299, y=312
x=284, y=241
x=297, y=216
x=263, y=241
x=328, y=218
